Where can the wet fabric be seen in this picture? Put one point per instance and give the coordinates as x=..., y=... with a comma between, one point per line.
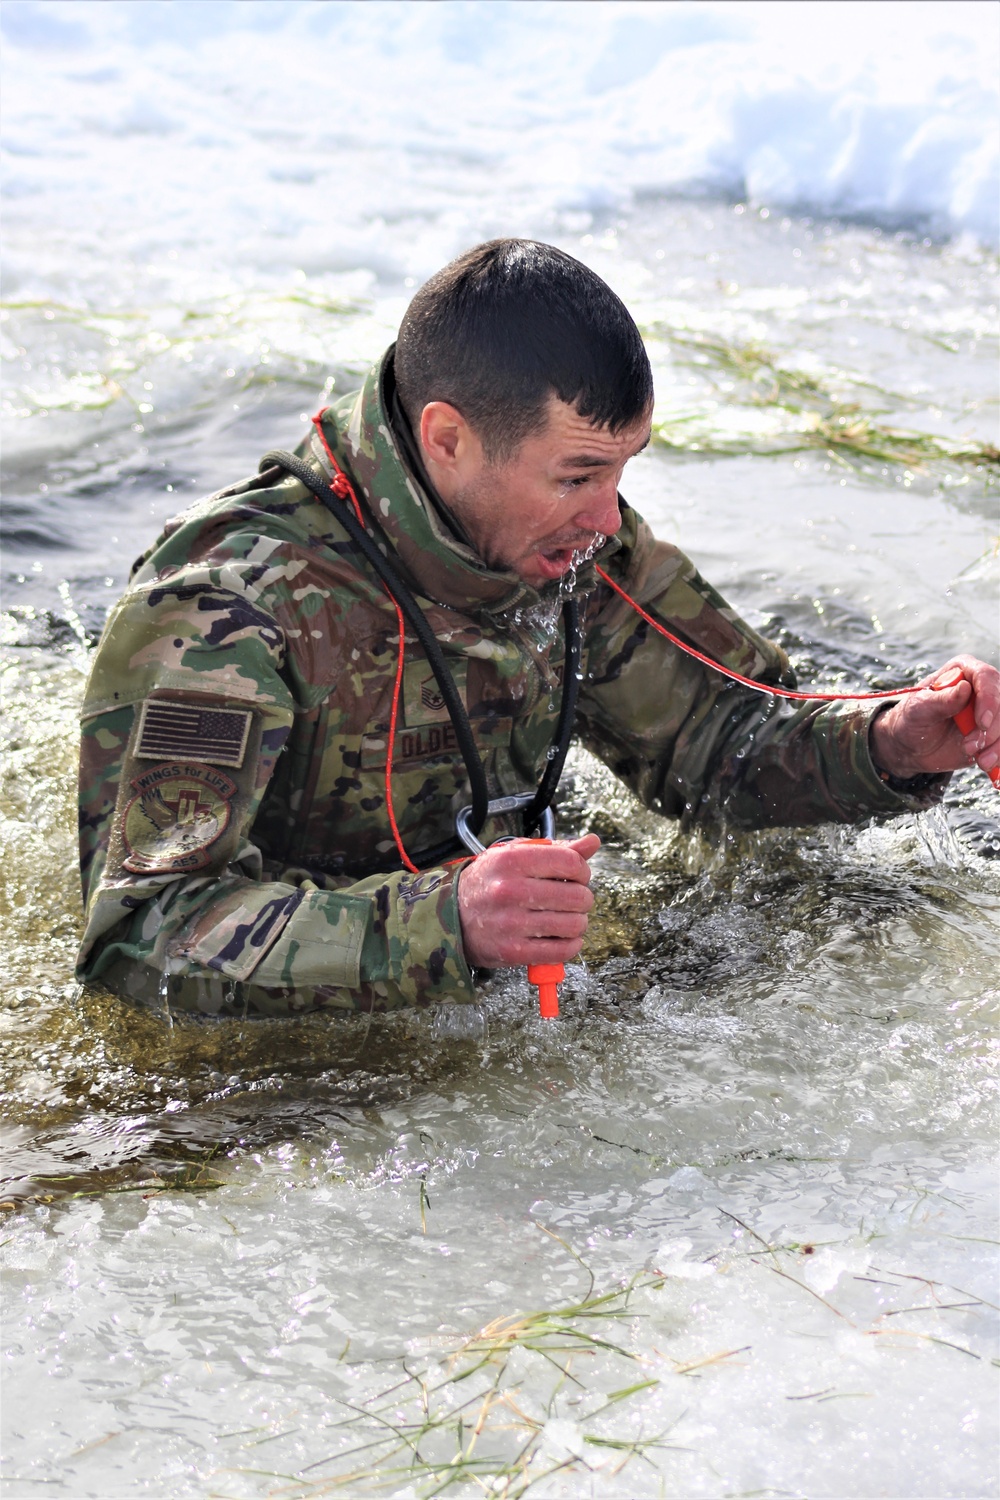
x=235, y=734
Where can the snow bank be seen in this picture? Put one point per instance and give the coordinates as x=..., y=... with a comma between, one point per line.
x=492, y=115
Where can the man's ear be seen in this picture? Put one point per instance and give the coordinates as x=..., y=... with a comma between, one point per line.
x=448, y=442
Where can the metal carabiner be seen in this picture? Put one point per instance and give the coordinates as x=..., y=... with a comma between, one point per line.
x=495, y=809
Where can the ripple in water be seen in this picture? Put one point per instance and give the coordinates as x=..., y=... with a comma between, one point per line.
x=774, y=1056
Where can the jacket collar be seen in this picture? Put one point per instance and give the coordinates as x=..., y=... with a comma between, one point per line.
x=384, y=463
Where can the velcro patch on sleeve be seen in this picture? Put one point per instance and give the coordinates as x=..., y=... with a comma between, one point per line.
x=180, y=731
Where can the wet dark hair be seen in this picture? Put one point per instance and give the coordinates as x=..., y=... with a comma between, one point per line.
x=510, y=322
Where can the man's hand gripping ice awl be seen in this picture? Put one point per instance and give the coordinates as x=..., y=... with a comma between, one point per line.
x=526, y=902
x=547, y=978
x=952, y=723
x=965, y=719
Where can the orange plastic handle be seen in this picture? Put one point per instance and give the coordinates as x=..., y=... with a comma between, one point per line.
x=965, y=719
x=547, y=978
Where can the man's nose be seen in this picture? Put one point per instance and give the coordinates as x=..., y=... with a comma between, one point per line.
x=602, y=512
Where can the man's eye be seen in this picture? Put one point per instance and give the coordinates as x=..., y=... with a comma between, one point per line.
x=573, y=484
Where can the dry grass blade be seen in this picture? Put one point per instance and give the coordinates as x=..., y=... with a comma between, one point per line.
x=802, y=1285
x=710, y=1359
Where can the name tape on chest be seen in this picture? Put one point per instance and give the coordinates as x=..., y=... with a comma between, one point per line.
x=428, y=743
x=181, y=731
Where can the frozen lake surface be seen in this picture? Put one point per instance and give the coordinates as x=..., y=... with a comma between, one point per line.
x=729, y=1227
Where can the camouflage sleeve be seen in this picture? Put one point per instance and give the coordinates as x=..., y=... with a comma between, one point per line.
x=186, y=713
x=698, y=745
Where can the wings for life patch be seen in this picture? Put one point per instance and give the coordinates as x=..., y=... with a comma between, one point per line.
x=181, y=730
x=178, y=812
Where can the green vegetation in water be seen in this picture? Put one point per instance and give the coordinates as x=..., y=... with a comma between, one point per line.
x=268, y=335
x=764, y=405
x=756, y=402
x=186, y=1178
x=464, y=1416
x=534, y=1394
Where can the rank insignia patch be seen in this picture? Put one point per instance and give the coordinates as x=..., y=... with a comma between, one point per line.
x=178, y=812
x=422, y=699
x=217, y=736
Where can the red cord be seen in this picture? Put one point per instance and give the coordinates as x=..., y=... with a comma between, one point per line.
x=758, y=687
x=341, y=486
x=391, y=747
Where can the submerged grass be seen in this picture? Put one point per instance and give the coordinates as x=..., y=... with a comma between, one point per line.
x=534, y=1394
x=463, y=1417
x=761, y=403
x=756, y=401
x=269, y=336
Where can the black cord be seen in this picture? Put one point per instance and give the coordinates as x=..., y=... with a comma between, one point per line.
x=567, y=713
x=414, y=615
x=401, y=593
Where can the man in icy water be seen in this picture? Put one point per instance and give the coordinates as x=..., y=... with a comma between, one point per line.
x=239, y=849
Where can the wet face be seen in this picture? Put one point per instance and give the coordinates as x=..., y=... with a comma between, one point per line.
x=554, y=499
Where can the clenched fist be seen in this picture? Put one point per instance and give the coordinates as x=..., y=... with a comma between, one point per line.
x=918, y=733
x=526, y=902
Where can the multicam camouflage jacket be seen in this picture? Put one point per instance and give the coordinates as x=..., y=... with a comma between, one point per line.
x=235, y=843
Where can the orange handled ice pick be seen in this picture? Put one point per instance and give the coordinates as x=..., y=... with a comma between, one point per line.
x=547, y=977
x=965, y=719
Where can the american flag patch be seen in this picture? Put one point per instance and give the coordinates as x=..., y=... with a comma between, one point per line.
x=176, y=731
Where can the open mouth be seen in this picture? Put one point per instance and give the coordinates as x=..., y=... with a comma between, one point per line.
x=553, y=562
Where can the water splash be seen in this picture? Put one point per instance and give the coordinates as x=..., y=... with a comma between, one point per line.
x=542, y=619
x=567, y=582
x=811, y=1052
x=163, y=1001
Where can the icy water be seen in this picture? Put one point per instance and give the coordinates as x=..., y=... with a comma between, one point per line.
x=729, y=1227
